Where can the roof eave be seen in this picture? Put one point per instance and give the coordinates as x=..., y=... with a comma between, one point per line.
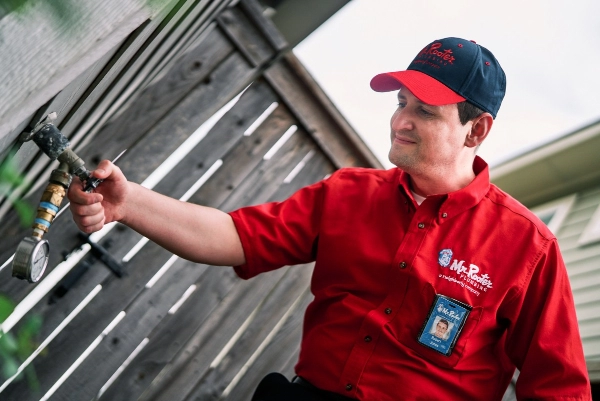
x=561, y=167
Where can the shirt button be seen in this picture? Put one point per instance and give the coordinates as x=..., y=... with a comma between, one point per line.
x=421, y=225
x=402, y=265
x=388, y=311
x=368, y=339
x=348, y=387
x=444, y=215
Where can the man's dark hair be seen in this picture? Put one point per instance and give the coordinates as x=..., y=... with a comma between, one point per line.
x=467, y=111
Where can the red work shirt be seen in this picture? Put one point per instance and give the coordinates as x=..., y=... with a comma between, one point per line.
x=380, y=260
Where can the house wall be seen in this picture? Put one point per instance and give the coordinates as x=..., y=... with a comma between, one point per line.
x=564, y=173
x=583, y=266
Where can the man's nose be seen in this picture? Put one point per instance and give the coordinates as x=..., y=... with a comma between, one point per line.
x=401, y=121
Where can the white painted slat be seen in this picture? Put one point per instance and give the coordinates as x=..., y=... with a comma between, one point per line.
x=124, y=365
x=265, y=114
x=181, y=300
x=83, y=356
x=290, y=177
x=284, y=138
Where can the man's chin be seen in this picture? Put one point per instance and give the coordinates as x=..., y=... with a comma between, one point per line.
x=403, y=162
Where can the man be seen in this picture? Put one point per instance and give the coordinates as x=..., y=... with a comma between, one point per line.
x=393, y=247
x=441, y=329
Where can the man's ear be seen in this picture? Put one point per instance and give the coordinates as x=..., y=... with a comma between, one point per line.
x=480, y=128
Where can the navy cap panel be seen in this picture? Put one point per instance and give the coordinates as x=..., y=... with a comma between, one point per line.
x=448, y=61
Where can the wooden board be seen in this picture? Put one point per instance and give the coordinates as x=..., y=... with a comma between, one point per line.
x=52, y=51
x=115, y=338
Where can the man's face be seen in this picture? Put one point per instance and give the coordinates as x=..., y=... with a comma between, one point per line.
x=440, y=329
x=425, y=137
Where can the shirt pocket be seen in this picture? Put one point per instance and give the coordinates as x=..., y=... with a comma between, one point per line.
x=408, y=324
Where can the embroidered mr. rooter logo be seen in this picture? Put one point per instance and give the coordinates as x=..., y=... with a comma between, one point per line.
x=471, y=275
x=433, y=52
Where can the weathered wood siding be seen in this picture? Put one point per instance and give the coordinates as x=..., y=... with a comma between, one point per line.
x=189, y=83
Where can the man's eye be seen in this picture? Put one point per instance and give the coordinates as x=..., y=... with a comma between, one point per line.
x=425, y=112
x=401, y=105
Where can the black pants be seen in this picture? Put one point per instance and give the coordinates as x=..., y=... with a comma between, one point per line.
x=276, y=387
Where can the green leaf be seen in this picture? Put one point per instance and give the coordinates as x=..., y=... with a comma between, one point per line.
x=26, y=336
x=10, y=366
x=11, y=178
x=32, y=326
x=25, y=212
x=9, y=173
x=8, y=344
x=6, y=307
x=12, y=5
x=25, y=346
x=32, y=379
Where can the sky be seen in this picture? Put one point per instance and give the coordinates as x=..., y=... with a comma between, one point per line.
x=549, y=50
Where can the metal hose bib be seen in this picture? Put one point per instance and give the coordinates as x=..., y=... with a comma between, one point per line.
x=31, y=257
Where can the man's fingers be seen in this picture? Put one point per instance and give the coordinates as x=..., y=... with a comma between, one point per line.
x=91, y=209
x=78, y=196
x=104, y=169
x=92, y=221
x=89, y=218
x=91, y=225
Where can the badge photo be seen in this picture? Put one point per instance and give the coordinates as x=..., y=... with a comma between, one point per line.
x=444, y=323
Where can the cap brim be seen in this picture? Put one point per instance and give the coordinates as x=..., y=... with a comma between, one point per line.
x=426, y=89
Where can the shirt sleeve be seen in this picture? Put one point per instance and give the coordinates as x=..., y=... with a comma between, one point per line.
x=544, y=341
x=277, y=234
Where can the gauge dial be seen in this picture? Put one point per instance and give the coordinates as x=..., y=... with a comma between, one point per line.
x=40, y=260
x=31, y=259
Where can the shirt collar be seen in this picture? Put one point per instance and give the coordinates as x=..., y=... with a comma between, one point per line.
x=463, y=199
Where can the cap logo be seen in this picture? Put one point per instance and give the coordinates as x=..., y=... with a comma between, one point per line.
x=432, y=53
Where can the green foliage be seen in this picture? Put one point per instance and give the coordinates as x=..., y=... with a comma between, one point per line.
x=61, y=13
x=12, y=5
x=6, y=308
x=14, y=350
x=62, y=9
x=58, y=12
x=158, y=3
x=10, y=178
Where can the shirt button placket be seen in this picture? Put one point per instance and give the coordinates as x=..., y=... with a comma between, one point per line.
x=348, y=387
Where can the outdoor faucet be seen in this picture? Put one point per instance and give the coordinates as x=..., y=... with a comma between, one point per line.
x=31, y=257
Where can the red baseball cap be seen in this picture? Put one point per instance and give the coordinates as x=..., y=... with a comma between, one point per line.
x=450, y=70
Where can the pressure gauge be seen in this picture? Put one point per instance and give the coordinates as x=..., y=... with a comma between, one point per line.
x=31, y=259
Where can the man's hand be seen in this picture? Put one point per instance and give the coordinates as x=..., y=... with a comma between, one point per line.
x=197, y=233
x=105, y=204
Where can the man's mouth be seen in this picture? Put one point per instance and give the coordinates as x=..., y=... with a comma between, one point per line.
x=404, y=140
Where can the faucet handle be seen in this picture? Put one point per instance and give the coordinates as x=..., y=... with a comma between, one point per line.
x=28, y=134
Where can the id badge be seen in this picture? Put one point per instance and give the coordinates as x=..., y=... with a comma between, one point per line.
x=444, y=323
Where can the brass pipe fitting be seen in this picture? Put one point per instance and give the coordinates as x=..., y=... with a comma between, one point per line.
x=52, y=198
